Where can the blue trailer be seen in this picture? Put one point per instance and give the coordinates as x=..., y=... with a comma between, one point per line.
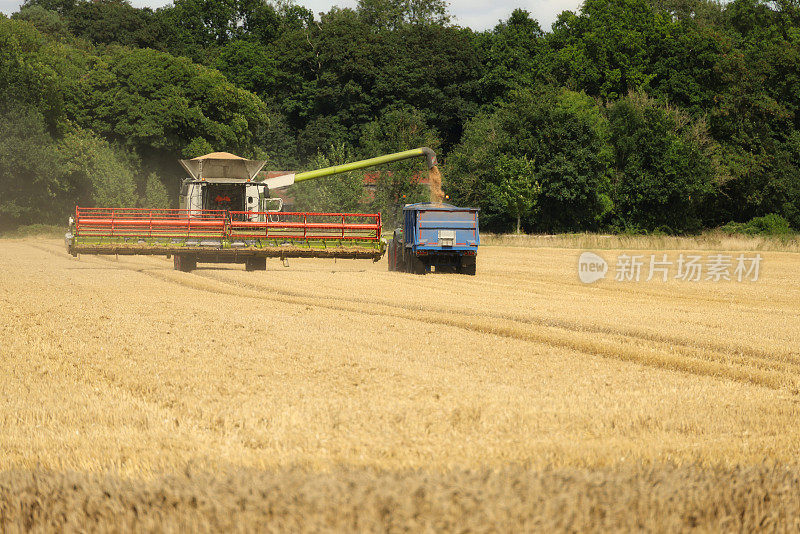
x=435, y=235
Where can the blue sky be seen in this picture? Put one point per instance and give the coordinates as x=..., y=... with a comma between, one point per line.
x=477, y=14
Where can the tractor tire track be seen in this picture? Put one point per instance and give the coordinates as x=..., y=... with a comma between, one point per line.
x=684, y=359
x=737, y=355
x=639, y=292
x=694, y=360
x=743, y=353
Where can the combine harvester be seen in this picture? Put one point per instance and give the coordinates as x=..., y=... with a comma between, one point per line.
x=227, y=216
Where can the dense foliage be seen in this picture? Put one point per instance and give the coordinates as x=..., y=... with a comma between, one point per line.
x=629, y=115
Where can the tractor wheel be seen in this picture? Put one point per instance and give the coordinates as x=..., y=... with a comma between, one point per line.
x=184, y=263
x=255, y=264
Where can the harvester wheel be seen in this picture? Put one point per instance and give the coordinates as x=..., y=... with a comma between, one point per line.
x=184, y=263
x=255, y=264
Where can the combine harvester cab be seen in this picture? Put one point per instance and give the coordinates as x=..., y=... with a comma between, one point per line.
x=227, y=216
x=435, y=235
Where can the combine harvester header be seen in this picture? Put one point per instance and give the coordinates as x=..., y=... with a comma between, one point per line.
x=219, y=236
x=227, y=216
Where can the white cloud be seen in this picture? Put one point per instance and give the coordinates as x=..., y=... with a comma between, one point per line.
x=477, y=14
x=8, y=6
x=481, y=15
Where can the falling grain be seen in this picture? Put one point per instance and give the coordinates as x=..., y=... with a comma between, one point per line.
x=435, y=183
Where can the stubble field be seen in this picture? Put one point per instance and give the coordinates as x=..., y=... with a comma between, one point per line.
x=337, y=395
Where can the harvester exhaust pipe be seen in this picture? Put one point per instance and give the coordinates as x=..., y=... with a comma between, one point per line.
x=435, y=178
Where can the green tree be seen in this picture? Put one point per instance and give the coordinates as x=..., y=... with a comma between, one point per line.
x=607, y=50
x=562, y=135
x=29, y=172
x=203, y=23
x=757, y=110
x=393, y=14
x=155, y=194
x=434, y=69
x=398, y=183
x=199, y=26
x=320, y=132
x=90, y=165
x=666, y=166
x=46, y=21
x=197, y=147
x=345, y=73
x=116, y=22
x=62, y=7
x=248, y=65
x=517, y=191
x=512, y=56
x=153, y=104
x=704, y=11
x=27, y=76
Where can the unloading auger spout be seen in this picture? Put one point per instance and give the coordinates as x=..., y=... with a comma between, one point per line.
x=288, y=179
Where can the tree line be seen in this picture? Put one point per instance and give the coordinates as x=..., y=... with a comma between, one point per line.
x=627, y=115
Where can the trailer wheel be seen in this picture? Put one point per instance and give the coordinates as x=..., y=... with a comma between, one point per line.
x=184, y=262
x=255, y=264
x=396, y=252
x=400, y=263
x=392, y=256
x=417, y=266
x=467, y=266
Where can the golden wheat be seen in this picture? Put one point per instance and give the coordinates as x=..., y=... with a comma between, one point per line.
x=126, y=367
x=659, y=499
x=709, y=240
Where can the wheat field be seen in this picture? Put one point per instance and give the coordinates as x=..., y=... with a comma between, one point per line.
x=340, y=396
